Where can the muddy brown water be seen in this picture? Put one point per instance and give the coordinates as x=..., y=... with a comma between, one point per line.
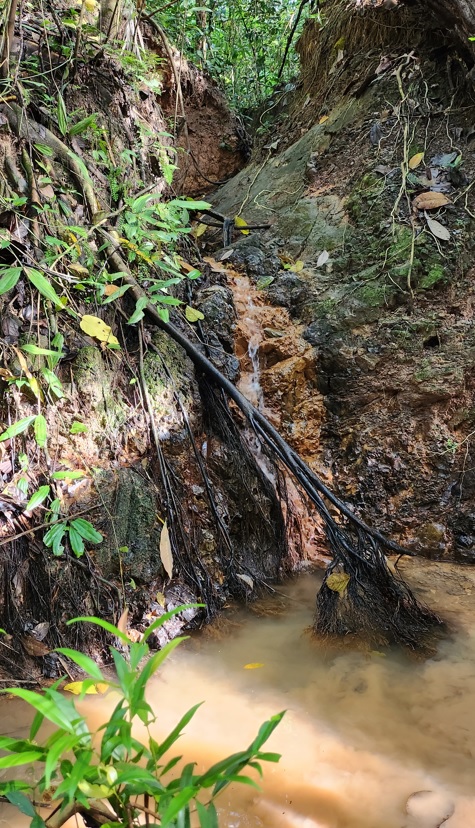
x=363, y=732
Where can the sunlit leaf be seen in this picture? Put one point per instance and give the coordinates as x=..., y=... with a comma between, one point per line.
x=96, y=327
x=297, y=267
x=85, y=687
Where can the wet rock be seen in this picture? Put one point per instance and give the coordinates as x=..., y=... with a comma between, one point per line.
x=253, y=257
x=216, y=303
x=319, y=333
x=287, y=290
x=430, y=540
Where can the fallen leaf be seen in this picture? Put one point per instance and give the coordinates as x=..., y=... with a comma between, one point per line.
x=437, y=229
x=199, y=230
x=430, y=201
x=323, y=258
x=247, y=580
x=166, y=555
x=323, y=119
x=110, y=289
x=416, y=160
x=78, y=270
x=254, y=665
x=226, y=254
x=337, y=582
x=134, y=635
x=122, y=622
x=240, y=224
x=77, y=687
x=297, y=267
x=47, y=192
x=160, y=599
x=192, y=314
x=214, y=265
x=34, y=647
x=41, y=630
x=93, y=326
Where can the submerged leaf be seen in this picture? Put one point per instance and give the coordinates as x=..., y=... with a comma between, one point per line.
x=254, y=665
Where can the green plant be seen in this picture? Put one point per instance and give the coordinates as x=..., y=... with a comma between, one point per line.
x=117, y=779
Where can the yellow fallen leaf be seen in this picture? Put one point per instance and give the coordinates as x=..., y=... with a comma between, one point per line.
x=297, y=267
x=240, y=223
x=253, y=665
x=323, y=119
x=192, y=314
x=415, y=160
x=337, y=582
x=199, y=230
x=77, y=687
x=97, y=328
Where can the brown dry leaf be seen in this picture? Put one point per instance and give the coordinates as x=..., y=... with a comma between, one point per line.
x=47, y=192
x=33, y=647
x=110, y=289
x=166, y=551
x=122, y=622
x=214, y=265
x=430, y=201
x=185, y=265
x=416, y=160
x=134, y=635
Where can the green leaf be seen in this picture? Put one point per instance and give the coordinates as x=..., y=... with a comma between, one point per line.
x=92, y=619
x=40, y=429
x=20, y=801
x=34, y=349
x=83, y=661
x=38, y=497
x=13, y=760
x=81, y=126
x=62, y=115
x=68, y=475
x=86, y=530
x=178, y=802
x=77, y=428
x=17, y=428
x=76, y=541
x=10, y=276
x=138, y=313
x=43, y=286
x=44, y=149
x=54, y=536
x=168, y=300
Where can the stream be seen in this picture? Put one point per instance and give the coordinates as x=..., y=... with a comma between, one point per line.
x=363, y=732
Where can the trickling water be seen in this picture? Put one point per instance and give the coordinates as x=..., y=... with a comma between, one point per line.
x=363, y=732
